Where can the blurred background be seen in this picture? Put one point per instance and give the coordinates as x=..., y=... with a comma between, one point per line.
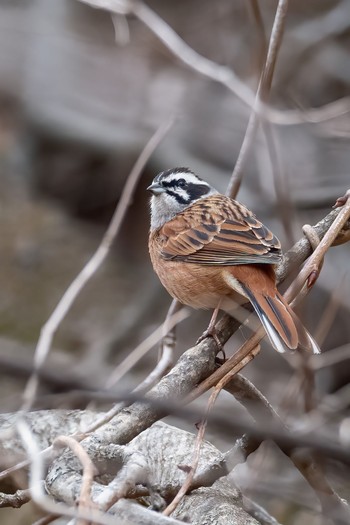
x=80, y=95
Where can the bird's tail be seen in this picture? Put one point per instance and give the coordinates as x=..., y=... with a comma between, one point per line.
x=282, y=325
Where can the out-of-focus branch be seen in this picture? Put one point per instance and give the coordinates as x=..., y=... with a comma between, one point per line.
x=261, y=411
x=254, y=13
x=145, y=346
x=50, y=327
x=46, y=519
x=175, y=317
x=215, y=71
x=16, y=500
x=261, y=95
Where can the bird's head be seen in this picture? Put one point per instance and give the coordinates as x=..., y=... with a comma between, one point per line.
x=173, y=191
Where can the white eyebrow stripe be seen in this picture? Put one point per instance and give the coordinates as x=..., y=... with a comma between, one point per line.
x=188, y=177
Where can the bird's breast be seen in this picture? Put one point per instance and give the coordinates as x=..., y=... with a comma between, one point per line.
x=198, y=286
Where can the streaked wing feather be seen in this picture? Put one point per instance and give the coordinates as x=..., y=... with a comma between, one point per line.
x=230, y=236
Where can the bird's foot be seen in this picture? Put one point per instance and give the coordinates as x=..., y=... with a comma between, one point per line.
x=211, y=332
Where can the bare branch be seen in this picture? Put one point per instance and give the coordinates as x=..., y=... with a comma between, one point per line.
x=16, y=500
x=215, y=71
x=50, y=327
x=261, y=95
x=313, y=264
x=89, y=471
x=145, y=346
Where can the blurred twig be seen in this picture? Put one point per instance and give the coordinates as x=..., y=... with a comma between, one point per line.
x=283, y=200
x=261, y=95
x=169, y=336
x=50, y=327
x=336, y=355
x=251, y=398
x=262, y=412
x=215, y=71
x=155, y=375
x=47, y=519
x=144, y=347
x=329, y=313
x=254, y=12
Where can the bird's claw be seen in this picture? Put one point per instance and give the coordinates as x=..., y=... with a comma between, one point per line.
x=212, y=333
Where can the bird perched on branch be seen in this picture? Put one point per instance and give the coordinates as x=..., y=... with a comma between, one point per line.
x=210, y=251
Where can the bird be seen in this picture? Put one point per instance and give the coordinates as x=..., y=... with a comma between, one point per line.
x=211, y=252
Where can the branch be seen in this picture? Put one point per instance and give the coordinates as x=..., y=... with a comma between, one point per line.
x=261, y=95
x=16, y=500
x=216, y=72
x=50, y=327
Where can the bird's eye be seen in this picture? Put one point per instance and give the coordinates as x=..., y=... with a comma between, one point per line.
x=182, y=183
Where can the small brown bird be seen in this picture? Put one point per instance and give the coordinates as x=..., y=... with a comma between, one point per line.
x=210, y=251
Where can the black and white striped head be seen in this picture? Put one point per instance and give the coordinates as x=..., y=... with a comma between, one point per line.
x=173, y=191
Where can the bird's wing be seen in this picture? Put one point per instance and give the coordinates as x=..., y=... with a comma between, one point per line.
x=219, y=231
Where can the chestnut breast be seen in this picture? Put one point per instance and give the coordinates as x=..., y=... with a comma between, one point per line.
x=198, y=286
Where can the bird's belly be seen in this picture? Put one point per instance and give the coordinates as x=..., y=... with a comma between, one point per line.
x=198, y=286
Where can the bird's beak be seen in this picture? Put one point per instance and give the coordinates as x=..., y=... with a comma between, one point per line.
x=156, y=188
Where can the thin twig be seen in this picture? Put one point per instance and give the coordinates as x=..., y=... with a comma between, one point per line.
x=37, y=474
x=262, y=412
x=162, y=367
x=284, y=206
x=233, y=362
x=145, y=346
x=254, y=12
x=154, y=376
x=261, y=95
x=89, y=471
x=192, y=470
x=301, y=284
x=46, y=519
x=50, y=327
x=169, y=335
x=251, y=398
x=328, y=315
x=200, y=435
x=215, y=71
x=331, y=358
